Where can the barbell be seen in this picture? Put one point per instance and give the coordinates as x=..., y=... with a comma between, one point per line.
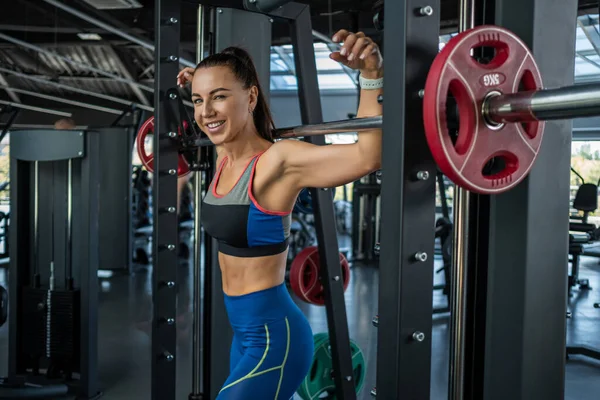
x=501, y=107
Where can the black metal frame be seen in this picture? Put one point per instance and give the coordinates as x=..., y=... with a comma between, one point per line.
x=165, y=234
x=216, y=332
x=310, y=110
x=584, y=351
x=13, y=116
x=245, y=5
x=408, y=204
x=506, y=307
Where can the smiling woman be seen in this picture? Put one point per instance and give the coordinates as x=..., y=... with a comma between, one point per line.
x=248, y=205
x=226, y=76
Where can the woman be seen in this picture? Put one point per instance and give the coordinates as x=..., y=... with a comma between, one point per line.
x=248, y=206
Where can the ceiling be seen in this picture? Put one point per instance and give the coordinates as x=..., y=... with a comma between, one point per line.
x=44, y=51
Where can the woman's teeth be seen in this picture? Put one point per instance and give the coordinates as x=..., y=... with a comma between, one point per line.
x=215, y=124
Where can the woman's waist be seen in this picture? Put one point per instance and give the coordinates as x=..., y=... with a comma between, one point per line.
x=260, y=307
x=244, y=275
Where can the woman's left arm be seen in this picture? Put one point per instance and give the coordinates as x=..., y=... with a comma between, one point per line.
x=308, y=165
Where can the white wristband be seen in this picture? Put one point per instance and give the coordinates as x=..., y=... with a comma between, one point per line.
x=370, y=84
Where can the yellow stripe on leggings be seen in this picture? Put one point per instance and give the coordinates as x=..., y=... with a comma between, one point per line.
x=253, y=373
x=249, y=375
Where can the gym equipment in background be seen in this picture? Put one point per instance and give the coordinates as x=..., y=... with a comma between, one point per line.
x=584, y=237
x=305, y=275
x=319, y=380
x=81, y=196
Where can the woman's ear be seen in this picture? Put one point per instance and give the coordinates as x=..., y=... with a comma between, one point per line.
x=253, y=97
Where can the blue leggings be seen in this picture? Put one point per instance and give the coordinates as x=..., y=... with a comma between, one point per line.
x=272, y=346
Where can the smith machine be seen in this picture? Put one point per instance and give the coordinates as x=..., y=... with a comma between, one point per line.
x=507, y=329
x=495, y=157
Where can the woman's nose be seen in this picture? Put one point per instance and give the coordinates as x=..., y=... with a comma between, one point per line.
x=207, y=110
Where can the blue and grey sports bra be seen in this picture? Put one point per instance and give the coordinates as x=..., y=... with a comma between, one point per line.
x=241, y=226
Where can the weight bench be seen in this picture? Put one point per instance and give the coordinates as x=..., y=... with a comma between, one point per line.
x=583, y=239
x=579, y=244
x=583, y=236
x=581, y=349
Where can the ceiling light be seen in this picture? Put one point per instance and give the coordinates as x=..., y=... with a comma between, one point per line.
x=89, y=36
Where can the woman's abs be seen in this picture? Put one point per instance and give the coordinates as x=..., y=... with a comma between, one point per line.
x=243, y=275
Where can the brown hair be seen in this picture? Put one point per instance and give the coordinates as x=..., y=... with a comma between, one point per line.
x=240, y=63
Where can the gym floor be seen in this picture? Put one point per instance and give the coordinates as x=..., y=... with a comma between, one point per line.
x=124, y=344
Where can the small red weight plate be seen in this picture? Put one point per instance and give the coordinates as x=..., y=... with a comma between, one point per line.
x=183, y=168
x=513, y=146
x=305, y=272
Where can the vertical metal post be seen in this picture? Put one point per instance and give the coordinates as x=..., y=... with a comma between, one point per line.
x=474, y=354
x=196, y=360
x=310, y=109
x=20, y=266
x=408, y=204
x=526, y=276
x=36, y=221
x=87, y=171
x=165, y=235
x=458, y=294
x=460, y=259
x=210, y=376
x=68, y=256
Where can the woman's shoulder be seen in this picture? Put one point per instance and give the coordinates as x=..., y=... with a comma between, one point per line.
x=274, y=158
x=284, y=147
x=278, y=152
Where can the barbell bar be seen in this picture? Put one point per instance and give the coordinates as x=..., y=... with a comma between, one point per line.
x=326, y=128
x=537, y=105
x=501, y=107
x=544, y=105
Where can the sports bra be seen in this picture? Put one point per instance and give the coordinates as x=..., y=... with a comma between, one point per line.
x=240, y=225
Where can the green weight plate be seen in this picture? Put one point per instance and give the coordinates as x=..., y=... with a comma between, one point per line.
x=319, y=337
x=320, y=378
x=317, y=380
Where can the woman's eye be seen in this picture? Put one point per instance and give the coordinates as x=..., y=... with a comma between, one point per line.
x=197, y=101
x=218, y=97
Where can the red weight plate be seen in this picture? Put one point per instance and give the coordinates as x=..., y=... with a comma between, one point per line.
x=140, y=140
x=513, y=146
x=305, y=272
x=183, y=168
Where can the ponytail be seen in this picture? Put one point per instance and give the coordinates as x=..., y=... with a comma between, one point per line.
x=240, y=63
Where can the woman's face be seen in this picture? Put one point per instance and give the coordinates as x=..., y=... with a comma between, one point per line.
x=222, y=107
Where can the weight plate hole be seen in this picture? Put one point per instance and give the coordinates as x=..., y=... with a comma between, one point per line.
x=452, y=118
x=460, y=115
x=490, y=53
x=527, y=83
x=500, y=166
x=358, y=374
x=313, y=370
